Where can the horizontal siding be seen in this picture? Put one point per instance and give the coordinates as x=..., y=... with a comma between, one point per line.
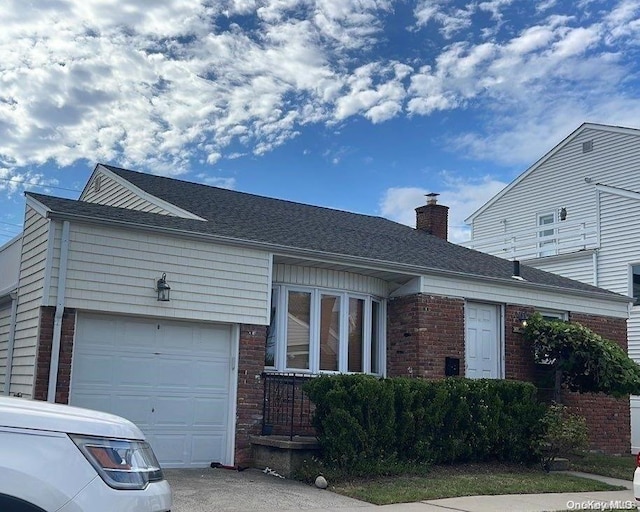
x=326, y=278
x=111, y=193
x=521, y=295
x=5, y=319
x=615, y=160
x=578, y=267
x=32, y=268
x=620, y=241
x=116, y=271
x=633, y=333
x=10, y=264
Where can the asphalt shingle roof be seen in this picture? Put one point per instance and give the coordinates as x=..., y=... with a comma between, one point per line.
x=284, y=223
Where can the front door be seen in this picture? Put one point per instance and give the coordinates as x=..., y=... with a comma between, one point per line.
x=482, y=343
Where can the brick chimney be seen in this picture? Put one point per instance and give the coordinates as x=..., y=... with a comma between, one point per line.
x=433, y=217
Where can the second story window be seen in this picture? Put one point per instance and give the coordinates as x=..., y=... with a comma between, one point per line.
x=547, y=244
x=635, y=284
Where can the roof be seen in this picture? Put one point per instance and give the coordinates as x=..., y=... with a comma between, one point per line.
x=287, y=227
x=548, y=155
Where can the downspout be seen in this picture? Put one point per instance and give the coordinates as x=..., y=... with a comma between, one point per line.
x=57, y=319
x=596, y=278
x=11, y=342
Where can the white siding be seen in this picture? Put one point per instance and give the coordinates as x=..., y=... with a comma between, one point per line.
x=633, y=332
x=324, y=278
x=517, y=294
x=32, y=269
x=560, y=182
x=5, y=319
x=579, y=266
x=112, y=193
x=113, y=270
x=10, y=264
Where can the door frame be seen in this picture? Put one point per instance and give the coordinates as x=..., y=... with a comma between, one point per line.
x=500, y=321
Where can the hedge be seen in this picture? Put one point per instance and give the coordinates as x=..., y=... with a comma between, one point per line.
x=361, y=419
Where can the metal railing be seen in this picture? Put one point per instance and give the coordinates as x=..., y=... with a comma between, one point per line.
x=286, y=409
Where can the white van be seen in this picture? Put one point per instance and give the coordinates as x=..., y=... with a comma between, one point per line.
x=58, y=458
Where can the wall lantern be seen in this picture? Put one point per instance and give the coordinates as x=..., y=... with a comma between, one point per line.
x=522, y=318
x=563, y=213
x=163, y=288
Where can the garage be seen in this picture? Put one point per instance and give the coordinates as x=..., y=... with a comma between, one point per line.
x=172, y=379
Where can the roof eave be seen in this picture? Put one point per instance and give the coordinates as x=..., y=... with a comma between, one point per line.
x=312, y=254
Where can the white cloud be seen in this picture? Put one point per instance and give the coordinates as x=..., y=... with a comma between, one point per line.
x=217, y=181
x=461, y=195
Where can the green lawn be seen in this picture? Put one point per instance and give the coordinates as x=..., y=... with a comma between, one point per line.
x=464, y=480
x=621, y=466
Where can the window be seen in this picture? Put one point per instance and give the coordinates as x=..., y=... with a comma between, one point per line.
x=635, y=284
x=547, y=245
x=325, y=331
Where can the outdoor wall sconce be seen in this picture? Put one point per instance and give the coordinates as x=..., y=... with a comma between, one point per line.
x=163, y=288
x=522, y=318
x=563, y=213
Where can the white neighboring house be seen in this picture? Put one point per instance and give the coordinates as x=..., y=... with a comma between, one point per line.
x=576, y=212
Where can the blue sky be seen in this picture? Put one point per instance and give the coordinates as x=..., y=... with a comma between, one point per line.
x=362, y=105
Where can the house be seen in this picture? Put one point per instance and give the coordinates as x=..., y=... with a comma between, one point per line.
x=256, y=287
x=576, y=212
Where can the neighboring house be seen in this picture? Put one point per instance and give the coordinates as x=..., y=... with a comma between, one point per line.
x=257, y=286
x=576, y=212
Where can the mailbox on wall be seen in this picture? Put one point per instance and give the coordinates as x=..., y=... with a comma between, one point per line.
x=451, y=366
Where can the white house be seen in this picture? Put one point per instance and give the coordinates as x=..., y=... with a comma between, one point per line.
x=257, y=288
x=576, y=212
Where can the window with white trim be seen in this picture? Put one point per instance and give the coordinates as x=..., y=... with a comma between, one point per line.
x=317, y=330
x=634, y=285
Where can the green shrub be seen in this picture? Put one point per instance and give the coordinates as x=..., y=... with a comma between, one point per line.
x=563, y=434
x=363, y=421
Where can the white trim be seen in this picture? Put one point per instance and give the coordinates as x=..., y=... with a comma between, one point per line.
x=11, y=343
x=623, y=192
x=548, y=155
x=233, y=394
x=37, y=206
x=57, y=320
x=48, y=265
x=165, y=205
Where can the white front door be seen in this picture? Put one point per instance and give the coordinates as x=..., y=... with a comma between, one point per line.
x=172, y=379
x=482, y=343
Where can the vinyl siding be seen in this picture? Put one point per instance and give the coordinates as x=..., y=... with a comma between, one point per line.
x=325, y=278
x=111, y=193
x=560, y=182
x=578, y=266
x=516, y=294
x=10, y=264
x=112, y=270
x=32, y=269
x=5, y=319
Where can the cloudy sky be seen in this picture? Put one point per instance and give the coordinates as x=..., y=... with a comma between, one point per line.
x=362, y=105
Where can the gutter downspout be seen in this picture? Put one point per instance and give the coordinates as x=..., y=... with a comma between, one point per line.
x=596, y=278
x=11, y=341
x=57, y=319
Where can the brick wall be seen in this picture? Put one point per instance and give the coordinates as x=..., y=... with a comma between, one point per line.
x=43, y=357
x=250, y=389
x=518, y=356
x=608, y=418
x=422, y=330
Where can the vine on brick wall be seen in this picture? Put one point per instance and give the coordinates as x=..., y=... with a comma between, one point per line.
x=584, y=361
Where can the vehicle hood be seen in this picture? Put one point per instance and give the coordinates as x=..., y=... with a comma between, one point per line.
x=38, y=415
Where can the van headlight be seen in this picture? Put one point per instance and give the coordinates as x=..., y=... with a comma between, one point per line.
x=122, y=463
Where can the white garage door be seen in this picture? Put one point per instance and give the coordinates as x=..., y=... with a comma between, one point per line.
x=172, y=379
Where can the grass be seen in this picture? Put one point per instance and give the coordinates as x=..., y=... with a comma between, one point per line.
x=621, y=466
x=463, y=480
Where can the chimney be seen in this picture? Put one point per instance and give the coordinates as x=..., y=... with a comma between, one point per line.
x=433, y=217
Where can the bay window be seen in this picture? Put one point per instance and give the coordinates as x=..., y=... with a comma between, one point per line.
x=316, y=330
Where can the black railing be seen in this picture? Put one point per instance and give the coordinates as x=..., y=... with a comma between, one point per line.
x=287, y=410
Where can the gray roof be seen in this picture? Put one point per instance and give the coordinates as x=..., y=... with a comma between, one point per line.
x=286, y=224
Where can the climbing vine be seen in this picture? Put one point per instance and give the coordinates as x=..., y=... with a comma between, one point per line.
x=585, y=361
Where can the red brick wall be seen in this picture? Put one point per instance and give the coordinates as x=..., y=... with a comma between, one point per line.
x=250, y=390
x=422, y=330
x=43, y=357
x=518, y=360
x=433, y=218
x=608, y=418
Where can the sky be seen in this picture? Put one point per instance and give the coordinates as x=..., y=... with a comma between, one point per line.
x=360, y=105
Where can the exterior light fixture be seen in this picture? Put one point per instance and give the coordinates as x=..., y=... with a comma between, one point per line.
x=163, y=288
x=563, y=213
x=522, y=318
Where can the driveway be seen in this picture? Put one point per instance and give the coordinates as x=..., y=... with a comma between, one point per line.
x=204, y=490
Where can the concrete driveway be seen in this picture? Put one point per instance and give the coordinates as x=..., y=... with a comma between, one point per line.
x=251, y=490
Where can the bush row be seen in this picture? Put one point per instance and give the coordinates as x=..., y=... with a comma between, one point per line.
x=361, y=419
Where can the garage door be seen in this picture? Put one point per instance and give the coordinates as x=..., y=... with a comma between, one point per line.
x=172, y=379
